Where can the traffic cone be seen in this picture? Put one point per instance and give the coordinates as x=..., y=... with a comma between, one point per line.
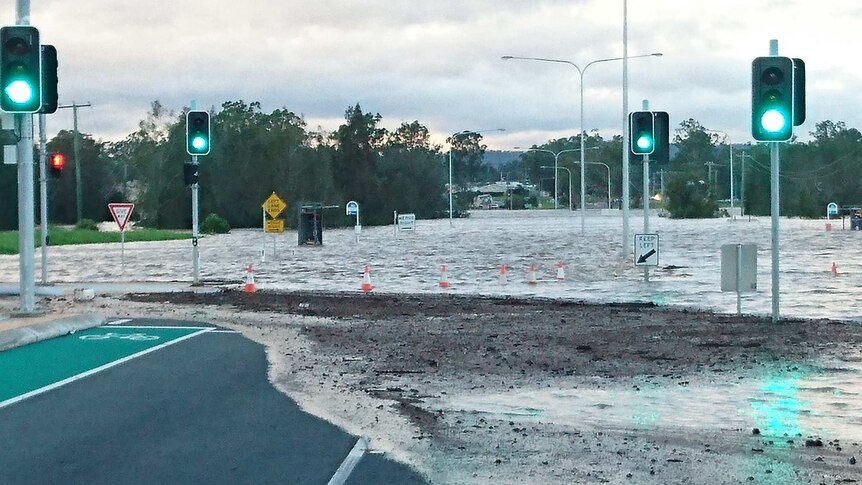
x=249, y=280
x=834, y=269
x=561, y=274
x=444, y=279
x=504, y=274
x=531, y=276
x=366, y=281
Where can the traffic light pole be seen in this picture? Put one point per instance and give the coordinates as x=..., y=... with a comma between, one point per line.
x=646, y=195
x=26, y=249
x=79, y=194
x=196, y=260
x=774, y=171
x=43, y=197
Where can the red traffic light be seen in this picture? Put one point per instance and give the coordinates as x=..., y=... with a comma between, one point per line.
x=56, y=163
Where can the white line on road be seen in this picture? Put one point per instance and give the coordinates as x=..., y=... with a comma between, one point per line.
x=349, y=463
x=90, y=372
x=119, y=322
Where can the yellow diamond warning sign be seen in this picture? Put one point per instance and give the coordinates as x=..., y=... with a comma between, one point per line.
x=274, y=206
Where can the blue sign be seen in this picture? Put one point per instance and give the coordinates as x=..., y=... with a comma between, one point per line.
x=352, y=208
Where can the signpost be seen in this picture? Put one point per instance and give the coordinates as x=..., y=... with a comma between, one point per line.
x=646, y=250
x=272, y=206
x=739, y=270
x=122, y=213
x=352, y=209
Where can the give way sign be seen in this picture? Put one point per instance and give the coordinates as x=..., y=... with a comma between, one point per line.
x=121, y=213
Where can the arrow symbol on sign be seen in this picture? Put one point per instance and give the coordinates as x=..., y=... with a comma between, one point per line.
x=645, y=256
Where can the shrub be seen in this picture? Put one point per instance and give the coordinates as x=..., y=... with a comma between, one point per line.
x=213, y=224
x=87, y=224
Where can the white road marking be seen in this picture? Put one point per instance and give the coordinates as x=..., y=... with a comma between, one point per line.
x=144, y=327
x=349, y=463
x=119, y=322
x=90, y=372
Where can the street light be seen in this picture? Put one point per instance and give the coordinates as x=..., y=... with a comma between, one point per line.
x=582, y=134
x=450, y=164
x=555, y=167
x=570, y=180
x=556, y=164
x=730, y=146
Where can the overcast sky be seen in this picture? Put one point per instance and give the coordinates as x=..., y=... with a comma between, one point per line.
x=438, y=61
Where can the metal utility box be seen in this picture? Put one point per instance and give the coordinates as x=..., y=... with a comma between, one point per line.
x=310, y=224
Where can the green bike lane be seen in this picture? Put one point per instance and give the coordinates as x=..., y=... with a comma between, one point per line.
x=154, y=401
x=40, y=367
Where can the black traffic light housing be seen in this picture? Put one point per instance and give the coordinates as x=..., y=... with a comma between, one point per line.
x=772, y=98
x=20, y=66
x=56, y=163
x=49, y=79
x=641, y=132
x=661, y=130
x=190, y=173
x=197, y=133
x=798, y=91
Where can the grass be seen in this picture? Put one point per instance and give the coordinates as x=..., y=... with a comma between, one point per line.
x=58, y=236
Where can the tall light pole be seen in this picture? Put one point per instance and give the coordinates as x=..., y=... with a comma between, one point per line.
x=729, y=146
x=451, y=187
x=570, y=181
x=555, y=167
x=582, y=134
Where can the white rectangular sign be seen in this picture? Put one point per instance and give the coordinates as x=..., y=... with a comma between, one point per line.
x=406, y=222
x=646, y=249
x=739, y=267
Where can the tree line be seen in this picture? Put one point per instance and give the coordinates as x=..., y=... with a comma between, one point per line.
x=255, y=153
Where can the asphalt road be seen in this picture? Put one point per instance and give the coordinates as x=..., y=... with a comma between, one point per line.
x=197, y=411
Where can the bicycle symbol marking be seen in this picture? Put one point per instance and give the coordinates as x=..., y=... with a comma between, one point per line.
x=135, y=337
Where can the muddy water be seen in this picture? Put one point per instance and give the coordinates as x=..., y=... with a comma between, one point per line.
x=784, y=404
x=474, y=249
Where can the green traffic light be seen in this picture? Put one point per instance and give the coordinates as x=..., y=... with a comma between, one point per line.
x=773, y=120
x=644, y=142
x=199, y=143
x=19, y=91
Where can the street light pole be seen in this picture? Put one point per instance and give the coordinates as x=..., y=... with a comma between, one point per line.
x=581, y=73
x=730, y=146
x=450, y=165
x=570, y=179
x=556, y=165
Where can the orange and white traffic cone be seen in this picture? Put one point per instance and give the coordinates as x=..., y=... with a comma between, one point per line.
x=444, y=279
x=561, y=273
x=531, y=276
x=504, y=274
x=834, y=269
x=249, y=280
x=366, y=281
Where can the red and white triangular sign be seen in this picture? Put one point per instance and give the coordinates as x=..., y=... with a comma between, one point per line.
x=121, y=212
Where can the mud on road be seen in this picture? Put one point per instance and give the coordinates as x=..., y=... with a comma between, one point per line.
x=404, y=353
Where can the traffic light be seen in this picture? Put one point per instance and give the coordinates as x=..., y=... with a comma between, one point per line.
x=49, y=79
x=20, y=79
x=641, y=132
x=56, y=162
x=798, y=91
x=661, y=129
x=772, y=102
x=190, y=173
x=197, y=132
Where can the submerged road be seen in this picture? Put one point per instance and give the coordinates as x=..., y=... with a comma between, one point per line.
x=154, y=401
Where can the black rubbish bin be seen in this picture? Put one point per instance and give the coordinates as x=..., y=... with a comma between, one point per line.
x=310, y=224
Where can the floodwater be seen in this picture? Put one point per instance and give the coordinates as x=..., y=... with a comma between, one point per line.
x=784, y=402
x=788, y=403
x=473, y=250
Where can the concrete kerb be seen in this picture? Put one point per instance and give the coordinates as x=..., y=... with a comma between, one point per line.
x=46, y=329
